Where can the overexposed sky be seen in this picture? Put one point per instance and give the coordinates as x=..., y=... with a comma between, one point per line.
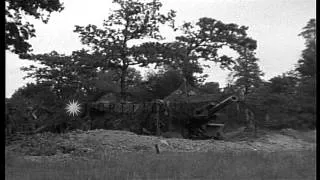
x=275, y=24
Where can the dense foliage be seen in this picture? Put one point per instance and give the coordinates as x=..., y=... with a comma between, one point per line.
x=200, y=41
x=134, y=20
x=290, y=99
x=108, y=67
x=17, y=31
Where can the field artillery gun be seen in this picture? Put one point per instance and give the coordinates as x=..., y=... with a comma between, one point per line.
x=178, y=116
x=201, y=124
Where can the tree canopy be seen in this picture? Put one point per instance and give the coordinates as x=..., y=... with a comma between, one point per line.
x=246, y=74
x=307, y=64
x=69, y=75
x=201, y=41
x=134, y=20
x=17, y=31
x=113, y=52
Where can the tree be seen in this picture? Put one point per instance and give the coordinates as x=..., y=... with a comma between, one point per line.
x=201, y=41
x=246, y=73
x=17, y=32
x=285, y=84
x=306, y=68
x=109, y=81
x=35, y=105
x=134, y=20
x=69, y=76
x=309, y=31
x=132, y=79
x=290, y=98
x=79, y=75
x=163, y=83
x=307, y=64
x=210, y=88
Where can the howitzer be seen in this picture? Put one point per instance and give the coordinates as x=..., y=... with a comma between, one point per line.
x=199, y=121
x=211, y=108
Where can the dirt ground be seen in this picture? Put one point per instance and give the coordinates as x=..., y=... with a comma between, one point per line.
x=80, y=143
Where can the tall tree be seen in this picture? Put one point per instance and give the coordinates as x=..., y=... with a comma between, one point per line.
x=163, y=83
x=18, y=32
x=306, y=68
x=110, y=80
x=246, y=73
x=68, y=75
x=134, y=20
x=307, y=64
x=201, y=41
x=78, y=75
x=210, y=87
x=309, y=31
x=285, y=84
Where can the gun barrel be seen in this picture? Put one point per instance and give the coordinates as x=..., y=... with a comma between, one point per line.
x=223, y=104
x=213, y=108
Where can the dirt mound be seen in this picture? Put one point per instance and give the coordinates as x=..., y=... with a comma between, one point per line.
x=309, y=136
x=80, y=143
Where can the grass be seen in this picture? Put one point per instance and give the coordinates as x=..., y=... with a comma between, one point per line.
x=169, y=165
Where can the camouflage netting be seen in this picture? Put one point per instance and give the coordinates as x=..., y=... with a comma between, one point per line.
x=175, y=110
x=171, y=114
x=183, y=101
x=189, y=94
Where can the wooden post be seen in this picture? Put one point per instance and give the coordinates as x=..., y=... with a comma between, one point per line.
x=158, y=125
x=157, y=148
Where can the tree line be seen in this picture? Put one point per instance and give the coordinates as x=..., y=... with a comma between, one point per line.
x=107, y=64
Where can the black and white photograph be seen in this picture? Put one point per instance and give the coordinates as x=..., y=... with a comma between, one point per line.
x=160, y=89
